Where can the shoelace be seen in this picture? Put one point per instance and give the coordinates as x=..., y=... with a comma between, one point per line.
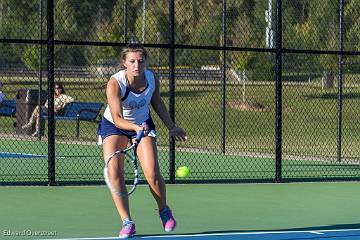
x=127, y=225
x=164, y=214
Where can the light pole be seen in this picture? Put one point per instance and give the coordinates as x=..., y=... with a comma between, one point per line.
x=269, y=32
x=143, y=20
x=158, y=49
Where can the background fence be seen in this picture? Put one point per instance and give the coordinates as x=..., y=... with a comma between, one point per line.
x=266, y=90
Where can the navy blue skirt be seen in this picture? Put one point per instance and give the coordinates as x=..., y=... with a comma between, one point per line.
x=107, y=128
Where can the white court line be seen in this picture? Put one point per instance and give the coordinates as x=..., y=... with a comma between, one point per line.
x=316, y=232
x=95, y=238
x=254, y=233
x=216, y=234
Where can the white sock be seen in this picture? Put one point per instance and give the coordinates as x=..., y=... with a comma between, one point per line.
x=127, y=221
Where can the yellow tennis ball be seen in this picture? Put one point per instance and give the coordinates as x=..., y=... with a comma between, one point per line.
x=182, y=172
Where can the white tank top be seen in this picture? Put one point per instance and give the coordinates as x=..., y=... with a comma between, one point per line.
x=136, y=106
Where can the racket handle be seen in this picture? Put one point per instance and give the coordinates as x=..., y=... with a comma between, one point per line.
x=139, y=136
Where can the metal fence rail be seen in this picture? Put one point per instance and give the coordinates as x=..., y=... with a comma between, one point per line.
x=266, y=90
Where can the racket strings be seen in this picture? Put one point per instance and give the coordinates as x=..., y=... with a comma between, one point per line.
x=130, y=171
x=113, y=180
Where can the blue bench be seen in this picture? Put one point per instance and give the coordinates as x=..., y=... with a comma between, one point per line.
x=8, y=108
x=80, y=111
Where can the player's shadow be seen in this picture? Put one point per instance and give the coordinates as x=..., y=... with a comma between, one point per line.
x=304, y=229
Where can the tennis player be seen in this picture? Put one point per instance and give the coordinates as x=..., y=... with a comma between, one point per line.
x=130, y=92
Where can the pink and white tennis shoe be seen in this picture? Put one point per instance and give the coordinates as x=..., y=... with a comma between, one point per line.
x=128, y=230
x=168, y=221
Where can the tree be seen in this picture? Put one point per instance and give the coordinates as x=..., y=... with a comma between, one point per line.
x=151, y=24
x=19, y=21
x=198, y=23
x=243, y=17
x=79, y=20
x=111, y=29
x=352, y=31
x=325, y=31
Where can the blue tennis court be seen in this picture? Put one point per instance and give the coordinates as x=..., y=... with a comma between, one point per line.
x=346, y=234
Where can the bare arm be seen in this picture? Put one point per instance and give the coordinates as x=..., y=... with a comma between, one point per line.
x=114, y=100
x=62, y=100
x=159, y=106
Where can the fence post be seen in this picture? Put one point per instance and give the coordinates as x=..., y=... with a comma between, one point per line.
x=223, y=82
x=40, y=58
x=50, y=68
x=278, y=94
x=172, y=88
x=125, y=21
x=340, y=82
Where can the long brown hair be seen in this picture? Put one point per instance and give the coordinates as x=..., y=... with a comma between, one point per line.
x=59, y=84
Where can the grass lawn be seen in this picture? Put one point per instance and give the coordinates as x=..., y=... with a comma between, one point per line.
x=310, y=120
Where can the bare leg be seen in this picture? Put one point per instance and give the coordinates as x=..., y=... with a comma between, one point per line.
x=147, y=152
x=116, y=172
x=34, y=117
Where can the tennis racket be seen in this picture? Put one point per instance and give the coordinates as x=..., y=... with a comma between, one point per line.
x=131, y=159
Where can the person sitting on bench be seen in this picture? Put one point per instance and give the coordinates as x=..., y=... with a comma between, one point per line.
x=60, y=100
x=2, y=95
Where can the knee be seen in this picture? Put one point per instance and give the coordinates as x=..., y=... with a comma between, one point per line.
x=36, y=110
x=153, y=178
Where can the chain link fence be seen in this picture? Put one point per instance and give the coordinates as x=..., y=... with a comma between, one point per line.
x=266, y=90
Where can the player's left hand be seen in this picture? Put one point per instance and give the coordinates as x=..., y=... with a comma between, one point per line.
x=178, y=134
x=145, y=128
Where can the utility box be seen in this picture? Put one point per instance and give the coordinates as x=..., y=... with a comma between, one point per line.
x=26, y=101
